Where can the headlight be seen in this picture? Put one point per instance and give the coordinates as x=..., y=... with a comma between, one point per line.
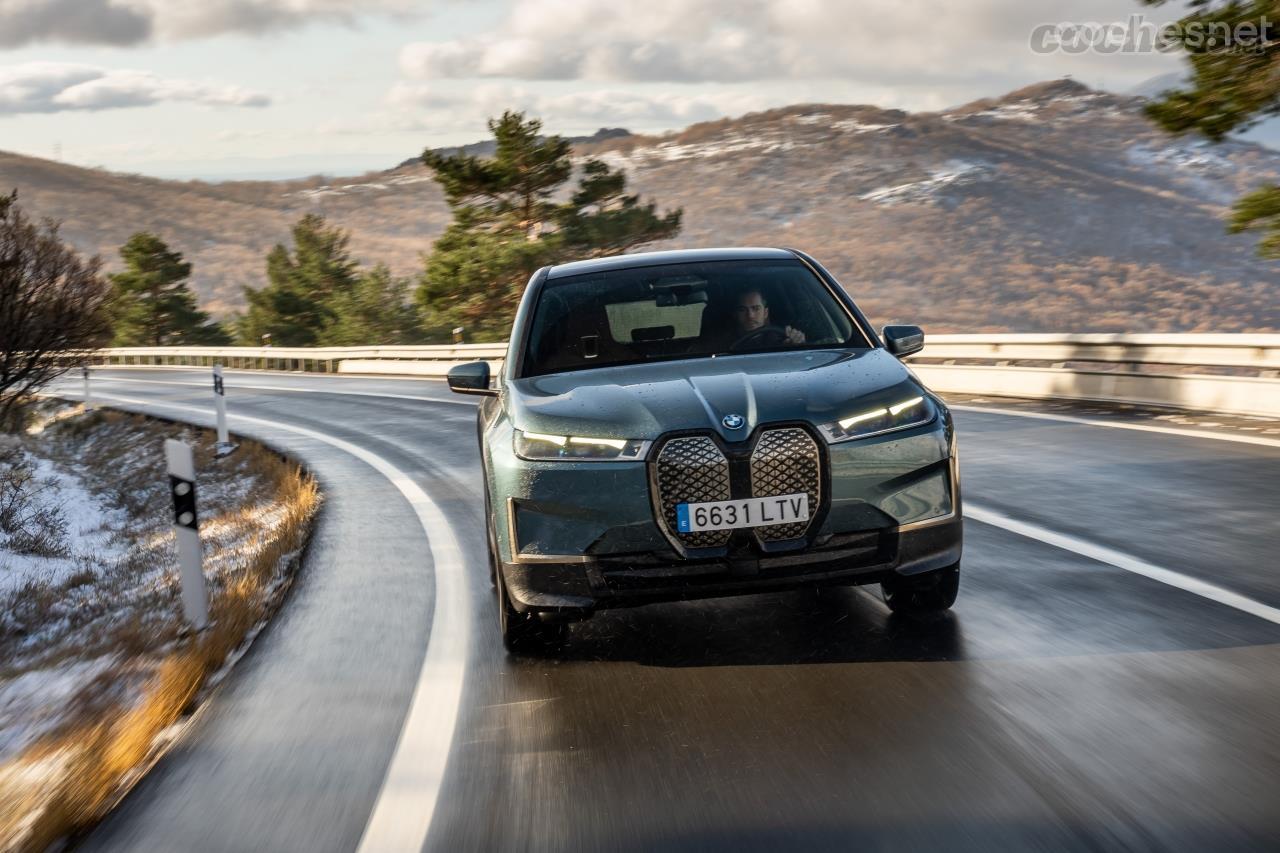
x=912, y=412
x=541, y=446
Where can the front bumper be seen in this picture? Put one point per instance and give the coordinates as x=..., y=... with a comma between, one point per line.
x=579, y=537
x=623, y=580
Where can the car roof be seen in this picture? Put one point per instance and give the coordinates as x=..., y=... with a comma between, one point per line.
x=653, y=259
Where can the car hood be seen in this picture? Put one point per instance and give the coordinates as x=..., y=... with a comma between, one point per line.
x=646, y=400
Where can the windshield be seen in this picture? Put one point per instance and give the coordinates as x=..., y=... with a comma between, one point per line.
x=694, y=310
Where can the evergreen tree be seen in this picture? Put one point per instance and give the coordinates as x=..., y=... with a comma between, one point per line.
x=151, y=304
x=376, y=310
x=296, y=308
x=1233, y=87
x=513, y=188
x=506, y=224
x=601, y=219
x=474, y=276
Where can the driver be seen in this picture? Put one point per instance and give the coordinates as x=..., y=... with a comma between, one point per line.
x=752, y=313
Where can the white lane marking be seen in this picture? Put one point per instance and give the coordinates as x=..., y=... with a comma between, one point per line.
x=402, y=814
x=1124, y=561
x=1189, y=433
x=288, y=388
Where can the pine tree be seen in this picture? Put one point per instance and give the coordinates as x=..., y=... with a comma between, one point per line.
x=296, y=307
x=1233, y=87
x=151, y=304
x=474, y=277
x=376, y=310
x=506, y=225
x=601, y=219
x=514, y=187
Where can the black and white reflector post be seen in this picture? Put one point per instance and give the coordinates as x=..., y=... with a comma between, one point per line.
x=182, y=484
x=220, y=405
x=88, y=400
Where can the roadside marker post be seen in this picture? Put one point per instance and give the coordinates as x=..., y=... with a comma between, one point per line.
x=182, y=484
x=88, y=400
x=220, y=406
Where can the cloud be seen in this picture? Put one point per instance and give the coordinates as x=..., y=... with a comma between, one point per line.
x=601, y=40
x=423, y=109
x=461, y=111
x=128, y=22
x=183, y=19
x=50, y=87
x=72, y=21
x=699, y=41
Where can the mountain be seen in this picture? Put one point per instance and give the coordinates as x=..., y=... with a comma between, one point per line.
x=486, y=147
x=1054, y=207
x=1154, y=87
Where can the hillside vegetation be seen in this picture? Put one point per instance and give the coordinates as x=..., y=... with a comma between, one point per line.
x=1054, y=207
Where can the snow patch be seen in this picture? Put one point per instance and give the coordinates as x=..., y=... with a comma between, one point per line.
x=405, y=180
x=669, y=152
x=67, y=621
x=1018, y=111
x=1076, y=105
x=812, y=118
x=360, y=187
x=91, y=530
x=852, y=125
x=1194, y=157
x=951, y=174
x=35, y=701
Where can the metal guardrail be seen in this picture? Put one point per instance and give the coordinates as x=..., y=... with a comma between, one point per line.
x=307, y=359
x=1261, y=352
x=1237, y=374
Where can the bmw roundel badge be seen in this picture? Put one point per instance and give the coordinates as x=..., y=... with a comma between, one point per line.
x=734, y=421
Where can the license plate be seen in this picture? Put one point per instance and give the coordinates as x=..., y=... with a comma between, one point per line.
x=750, y=512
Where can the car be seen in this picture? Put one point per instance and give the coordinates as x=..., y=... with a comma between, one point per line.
x=701, y=423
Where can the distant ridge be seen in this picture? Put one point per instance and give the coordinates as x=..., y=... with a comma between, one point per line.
x=485, y=148
x=1052, y=207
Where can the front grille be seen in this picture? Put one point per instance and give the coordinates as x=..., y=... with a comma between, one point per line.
x=785, y=462
x=691, y=470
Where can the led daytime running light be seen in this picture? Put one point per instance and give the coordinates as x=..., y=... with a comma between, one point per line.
x=557, y=440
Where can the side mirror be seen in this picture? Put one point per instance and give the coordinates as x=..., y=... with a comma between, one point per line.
x=903, y=341
x=472, y=378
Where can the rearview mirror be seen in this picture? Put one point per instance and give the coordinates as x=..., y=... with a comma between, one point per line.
x=903, y=341
x=471, y=378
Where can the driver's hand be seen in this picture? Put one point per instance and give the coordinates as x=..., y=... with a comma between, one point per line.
x=794, y=336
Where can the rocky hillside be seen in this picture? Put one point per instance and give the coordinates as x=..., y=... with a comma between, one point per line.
x=1053, y=207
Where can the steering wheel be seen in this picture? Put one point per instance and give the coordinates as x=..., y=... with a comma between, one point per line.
x=765, y=336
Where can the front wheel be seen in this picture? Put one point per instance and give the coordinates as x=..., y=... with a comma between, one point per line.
x=525, y=633
x=490, y=539
x=928, y=592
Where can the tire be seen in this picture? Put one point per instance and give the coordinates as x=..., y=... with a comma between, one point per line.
x=525, y=633
x=490, y=539
x=930, y=592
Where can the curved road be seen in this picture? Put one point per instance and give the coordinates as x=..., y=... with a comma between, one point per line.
x=1109, y=679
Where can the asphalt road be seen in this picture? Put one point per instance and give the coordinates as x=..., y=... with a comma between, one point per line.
x=1076, y=698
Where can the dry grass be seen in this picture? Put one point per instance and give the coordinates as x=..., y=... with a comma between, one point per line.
x=68, y=779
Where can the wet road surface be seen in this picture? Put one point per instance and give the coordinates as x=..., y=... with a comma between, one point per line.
x=1064, y=704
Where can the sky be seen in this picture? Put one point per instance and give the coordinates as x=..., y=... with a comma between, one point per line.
x=222, y=89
